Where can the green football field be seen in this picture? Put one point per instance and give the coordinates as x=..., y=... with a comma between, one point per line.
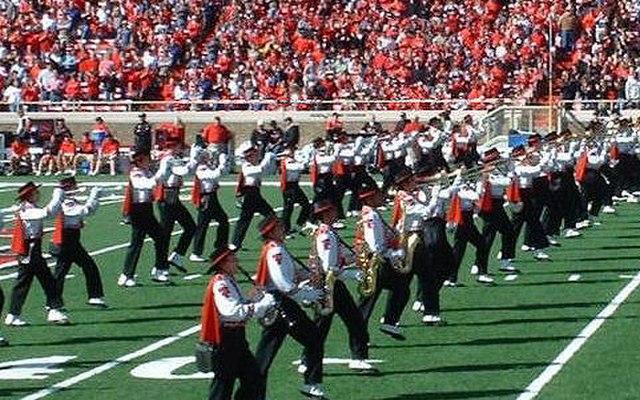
x=496, y=342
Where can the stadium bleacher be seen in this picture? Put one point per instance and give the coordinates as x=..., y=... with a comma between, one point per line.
x=313, y=50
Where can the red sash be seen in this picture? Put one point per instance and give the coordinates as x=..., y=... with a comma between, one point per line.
x=486, y=202
x=128, y=200
x=454, y=215
x=18, y=242
x=58, y=230
x=262, y=269
x=210, y=319
x=195, y=192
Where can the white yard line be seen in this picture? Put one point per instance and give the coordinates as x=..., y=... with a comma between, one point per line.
x=192, y=277
x=574, y=277
x=111, y=364
x=511, y=277
x=576, y=344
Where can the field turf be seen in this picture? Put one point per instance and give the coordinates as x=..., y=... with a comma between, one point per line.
x=496, y=341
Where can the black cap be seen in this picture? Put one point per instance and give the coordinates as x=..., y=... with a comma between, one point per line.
x=402, y=176
x=219, y=255
x=322, y=205
x=26, y=189
x=268, y=224
x=68, y=183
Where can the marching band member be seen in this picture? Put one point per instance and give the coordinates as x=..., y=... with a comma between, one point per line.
x=492, y=212
x=463, y=145
x=438, y=255
x=225, y=313
x=463, y=205
x=138, y=206
x=332, y=255
x=278, y=272
x=69, y=223
x=344, y=156
x=249, y=182
x=373, y=232
x=530, y=208
x=290, y=170
x=167, y=197
x=321, y=171
x=592, y=184
x=204, y=196
x=26, y=242
x=408, y=216
x=361, y=178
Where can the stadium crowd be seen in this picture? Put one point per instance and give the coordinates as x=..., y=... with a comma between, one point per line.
x=316, y=50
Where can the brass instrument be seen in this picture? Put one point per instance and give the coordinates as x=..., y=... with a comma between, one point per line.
x=368, y=261
x=271, y=315
x=398, y=242
x=321, y=280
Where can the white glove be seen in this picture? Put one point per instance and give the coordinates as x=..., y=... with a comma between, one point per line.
x=393, y=254
x=180, y=170
x=307, y=295
x=95, y=192
x=261, y=306
x=352, y=274
x=222, y=159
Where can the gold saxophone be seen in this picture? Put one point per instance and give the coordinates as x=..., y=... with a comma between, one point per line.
x=368, y=262
x=326, y=282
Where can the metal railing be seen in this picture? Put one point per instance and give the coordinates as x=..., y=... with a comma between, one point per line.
x=260, y=104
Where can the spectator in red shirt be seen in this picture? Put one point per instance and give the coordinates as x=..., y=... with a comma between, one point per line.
x=109, y=152
x=19, y=154
x=86, y=151
x=217, y=136
x=67, y=155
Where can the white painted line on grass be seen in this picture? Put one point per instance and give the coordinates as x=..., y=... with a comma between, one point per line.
x=70, y=276
x=574, y=277
x=111, y=364
x=8, y=276
x=192, y=277
x=511, y=277
x=576, y=344
x=626, y=276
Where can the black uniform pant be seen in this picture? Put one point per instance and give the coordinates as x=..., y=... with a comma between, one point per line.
x=252, y=202
x=530, y=213
x=389, y=173
x=467, y=232
x=210, y=209
x=629, y=172
x=170, y=213
x=398, y=285
x=236, y=362
x=72, y=251
x=144, y=223
x=593, y=191
x=345, y=307
x=1, y=300
x=498, y=221
x=360, y=180
x=293, y=194
x=36, y=266
x=297, y=324
x=552, y=214
x=435, y=263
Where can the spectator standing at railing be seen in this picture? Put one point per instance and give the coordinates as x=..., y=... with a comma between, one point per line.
x=291, y=134
x=217, y=136
x=142, y=134
x=632, y=89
